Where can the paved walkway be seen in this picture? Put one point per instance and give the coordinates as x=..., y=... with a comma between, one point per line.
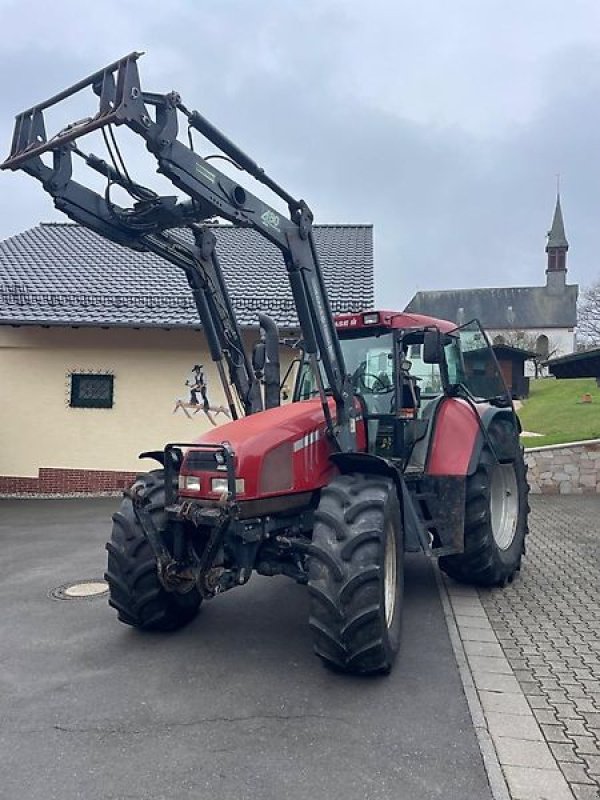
x=530, y=658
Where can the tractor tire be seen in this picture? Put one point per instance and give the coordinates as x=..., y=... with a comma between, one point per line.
x=135, y=589
x=496, y=510
x=356, y=574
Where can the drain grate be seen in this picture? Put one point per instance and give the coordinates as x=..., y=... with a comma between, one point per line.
x=88, y=589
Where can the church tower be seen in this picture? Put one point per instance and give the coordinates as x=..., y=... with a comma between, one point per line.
x=556, y=248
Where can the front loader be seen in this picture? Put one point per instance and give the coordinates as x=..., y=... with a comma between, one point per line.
x=400, y=437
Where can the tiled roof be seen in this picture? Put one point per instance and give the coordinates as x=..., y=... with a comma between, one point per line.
x=64, y=274
x=509, y=308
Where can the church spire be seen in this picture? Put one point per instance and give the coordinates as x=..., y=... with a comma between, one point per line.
x=556, y=248
x=556, y=234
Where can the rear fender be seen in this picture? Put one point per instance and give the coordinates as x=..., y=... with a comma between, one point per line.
x=460, y=433
x=502, y=428
x=456, y=428
x=416, y=538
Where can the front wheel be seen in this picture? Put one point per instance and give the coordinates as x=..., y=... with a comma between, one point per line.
x=356, y=574
x=135, y=589
x=496, y=511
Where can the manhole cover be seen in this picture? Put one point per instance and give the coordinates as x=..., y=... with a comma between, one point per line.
x=80, y=590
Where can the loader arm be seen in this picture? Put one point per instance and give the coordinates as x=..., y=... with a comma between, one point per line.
x=146, y=231
x=155, y=117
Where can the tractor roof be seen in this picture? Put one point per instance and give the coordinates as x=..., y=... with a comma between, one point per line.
x=391, y=319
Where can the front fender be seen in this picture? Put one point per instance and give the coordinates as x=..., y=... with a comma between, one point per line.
x=416, y=537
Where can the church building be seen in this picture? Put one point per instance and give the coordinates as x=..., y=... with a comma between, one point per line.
x=538, y=318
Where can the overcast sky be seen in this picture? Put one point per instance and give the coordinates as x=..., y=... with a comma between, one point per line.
x=442, y=123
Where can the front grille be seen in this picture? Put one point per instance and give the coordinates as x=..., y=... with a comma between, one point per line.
x=199, y=460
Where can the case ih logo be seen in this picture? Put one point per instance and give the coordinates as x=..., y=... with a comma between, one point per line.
x=270, y=219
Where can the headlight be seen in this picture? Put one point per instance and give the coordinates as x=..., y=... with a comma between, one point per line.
x=220, y=485
x=189, y=482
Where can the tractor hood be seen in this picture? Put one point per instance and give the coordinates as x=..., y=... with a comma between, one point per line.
x=279, y=451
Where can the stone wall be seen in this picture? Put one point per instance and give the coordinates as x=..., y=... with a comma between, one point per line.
x=572, y=468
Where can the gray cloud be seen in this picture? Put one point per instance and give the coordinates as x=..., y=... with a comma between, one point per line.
x=442, y=124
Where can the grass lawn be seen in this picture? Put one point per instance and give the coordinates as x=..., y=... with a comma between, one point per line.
x=554, y=408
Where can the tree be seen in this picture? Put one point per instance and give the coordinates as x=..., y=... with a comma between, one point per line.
x=588, y=316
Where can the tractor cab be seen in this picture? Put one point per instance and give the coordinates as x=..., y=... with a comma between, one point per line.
x=401, y=366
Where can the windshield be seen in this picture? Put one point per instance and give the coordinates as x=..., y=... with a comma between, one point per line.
x=369, y=362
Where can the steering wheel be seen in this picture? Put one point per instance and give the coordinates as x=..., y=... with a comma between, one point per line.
x=384, y=387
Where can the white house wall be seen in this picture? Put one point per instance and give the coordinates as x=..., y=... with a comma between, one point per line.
x=39, y=429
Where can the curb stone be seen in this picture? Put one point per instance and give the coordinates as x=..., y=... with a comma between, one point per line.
x=516, y=756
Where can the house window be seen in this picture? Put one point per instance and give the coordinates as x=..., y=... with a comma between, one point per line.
x=91, y=391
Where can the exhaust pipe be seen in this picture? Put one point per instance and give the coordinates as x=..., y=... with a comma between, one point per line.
x=267, y=352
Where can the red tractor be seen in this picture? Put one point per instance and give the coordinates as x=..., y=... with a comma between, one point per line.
x=400, y=437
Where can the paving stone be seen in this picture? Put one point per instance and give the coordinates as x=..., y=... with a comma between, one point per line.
x=488, y=664
x=532, y=688
x=492, y=649
x=557, y=697
x=591, y=685
x=513, y=726
x=567, y=680
x=565, y=752
x=504, y=702
x=542, y=672
x=466, y=608
x=549, y=684
x=495, y=682
x=575, y=692
x=583, y=704
x=586, y=744
x=554, y=733
x=567, y=711
x=539, y=701
x=574, y=727
x=585, y=792
x=518, y=663
x=575, y=773
x=523, y=676
x=547, y=716
x=592, y=763
x=523, y=753
x=477, y=634
x=527, y=783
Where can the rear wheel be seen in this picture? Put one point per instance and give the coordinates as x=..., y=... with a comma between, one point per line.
x=356, y=574
x=135, y=589
x=496, y=511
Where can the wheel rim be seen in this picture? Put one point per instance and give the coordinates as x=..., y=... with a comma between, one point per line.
x=389, y=575
x=504, y=504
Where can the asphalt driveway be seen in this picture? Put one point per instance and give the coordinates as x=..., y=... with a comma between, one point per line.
x=234, y=706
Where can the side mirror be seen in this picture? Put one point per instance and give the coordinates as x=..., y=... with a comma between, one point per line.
x=433, y=350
